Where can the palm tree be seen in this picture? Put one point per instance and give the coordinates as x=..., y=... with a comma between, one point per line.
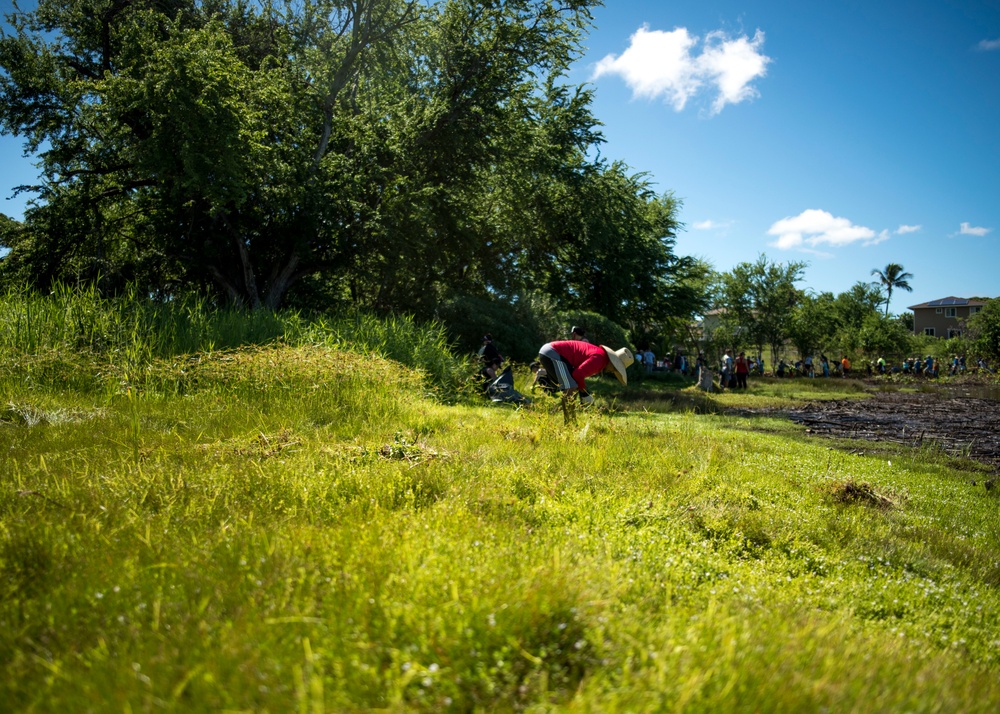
x=893, y=277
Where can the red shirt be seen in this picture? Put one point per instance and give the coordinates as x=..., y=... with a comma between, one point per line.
x=585, y=358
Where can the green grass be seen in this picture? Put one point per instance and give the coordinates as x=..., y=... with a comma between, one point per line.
x=310, y=527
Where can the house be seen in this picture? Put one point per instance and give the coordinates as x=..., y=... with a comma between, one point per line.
x=944, y=317
x=711, y=320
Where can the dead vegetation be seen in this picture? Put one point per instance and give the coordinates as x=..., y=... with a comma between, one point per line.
x=851, y=492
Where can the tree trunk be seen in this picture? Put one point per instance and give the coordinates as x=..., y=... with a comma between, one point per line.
x=282, y=281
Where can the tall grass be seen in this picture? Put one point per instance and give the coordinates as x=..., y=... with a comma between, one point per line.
x=128, y=332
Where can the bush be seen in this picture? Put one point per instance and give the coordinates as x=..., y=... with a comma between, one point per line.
x=515, y=326
x=521, y=327
x=600, y=330
x=983, y=331
x=882, y=336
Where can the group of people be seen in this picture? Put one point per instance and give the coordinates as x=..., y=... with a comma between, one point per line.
x=928, y=366
x=734, y=372
x=920, y=366
x=563, y=366
x=678, y=363
x=808, y=367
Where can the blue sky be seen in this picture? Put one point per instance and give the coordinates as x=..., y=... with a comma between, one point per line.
x=847, y=134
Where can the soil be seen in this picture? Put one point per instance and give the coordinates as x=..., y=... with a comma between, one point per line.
x=961, y=425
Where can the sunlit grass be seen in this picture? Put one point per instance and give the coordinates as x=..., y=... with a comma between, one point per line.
x=298, y=526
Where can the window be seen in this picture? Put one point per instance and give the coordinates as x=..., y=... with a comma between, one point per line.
x=929, y=331
x=954, y=333
x=937, y=311
x=974, y=310
x=950, y=312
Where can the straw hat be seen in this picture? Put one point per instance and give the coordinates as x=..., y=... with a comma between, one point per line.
x=620, y=360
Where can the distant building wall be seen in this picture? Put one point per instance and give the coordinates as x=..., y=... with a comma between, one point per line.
x=945, y=317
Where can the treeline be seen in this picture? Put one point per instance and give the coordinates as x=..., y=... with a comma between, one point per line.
x=400, y=156
x=760, y=308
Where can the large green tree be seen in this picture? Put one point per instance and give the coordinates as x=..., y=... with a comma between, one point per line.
x=881, y=336
x=759, y=299
x=852, y=307
x=378, y=150
x=813, y=323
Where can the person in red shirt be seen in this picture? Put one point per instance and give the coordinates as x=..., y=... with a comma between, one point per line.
x=742, y=370
x=568, y=363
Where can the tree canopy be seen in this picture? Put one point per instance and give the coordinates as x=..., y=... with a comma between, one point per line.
x=385, y=153
x=759, y=299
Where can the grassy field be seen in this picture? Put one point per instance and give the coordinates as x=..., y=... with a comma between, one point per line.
x=308, y=525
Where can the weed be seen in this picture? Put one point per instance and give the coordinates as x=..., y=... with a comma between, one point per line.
x=863, y=493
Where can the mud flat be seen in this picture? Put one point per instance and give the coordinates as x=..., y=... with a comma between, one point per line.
x=963, y=425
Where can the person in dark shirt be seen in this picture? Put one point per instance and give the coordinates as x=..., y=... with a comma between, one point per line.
x=489, y=353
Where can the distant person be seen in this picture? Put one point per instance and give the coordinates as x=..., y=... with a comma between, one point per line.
x=742, y=370
x=726, y=377
x=649, y=359
x=490, y=356
x=845, y=366
x=881, y=365
x=568, y=363
x=578, y=333
x=825, y=364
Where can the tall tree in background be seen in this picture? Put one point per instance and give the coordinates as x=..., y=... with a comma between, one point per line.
x=813, y=323
x=192, y=142
x=759, y=299
x=892, y=277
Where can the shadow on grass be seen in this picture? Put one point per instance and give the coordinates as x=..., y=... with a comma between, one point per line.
x=668, y=401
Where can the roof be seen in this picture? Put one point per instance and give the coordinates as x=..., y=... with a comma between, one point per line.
x=949, y=302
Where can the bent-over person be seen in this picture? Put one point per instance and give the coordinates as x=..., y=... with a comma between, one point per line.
x=568, y=363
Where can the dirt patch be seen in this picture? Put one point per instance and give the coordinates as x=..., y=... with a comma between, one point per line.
x=962, y=426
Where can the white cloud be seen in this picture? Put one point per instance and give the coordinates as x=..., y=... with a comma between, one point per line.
x=903, y=230
x=970, y=230
x=815, y=227
x=732, y=65
x=882, y=236
x=660, y=64
x=710, y=225
x=988, y=45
